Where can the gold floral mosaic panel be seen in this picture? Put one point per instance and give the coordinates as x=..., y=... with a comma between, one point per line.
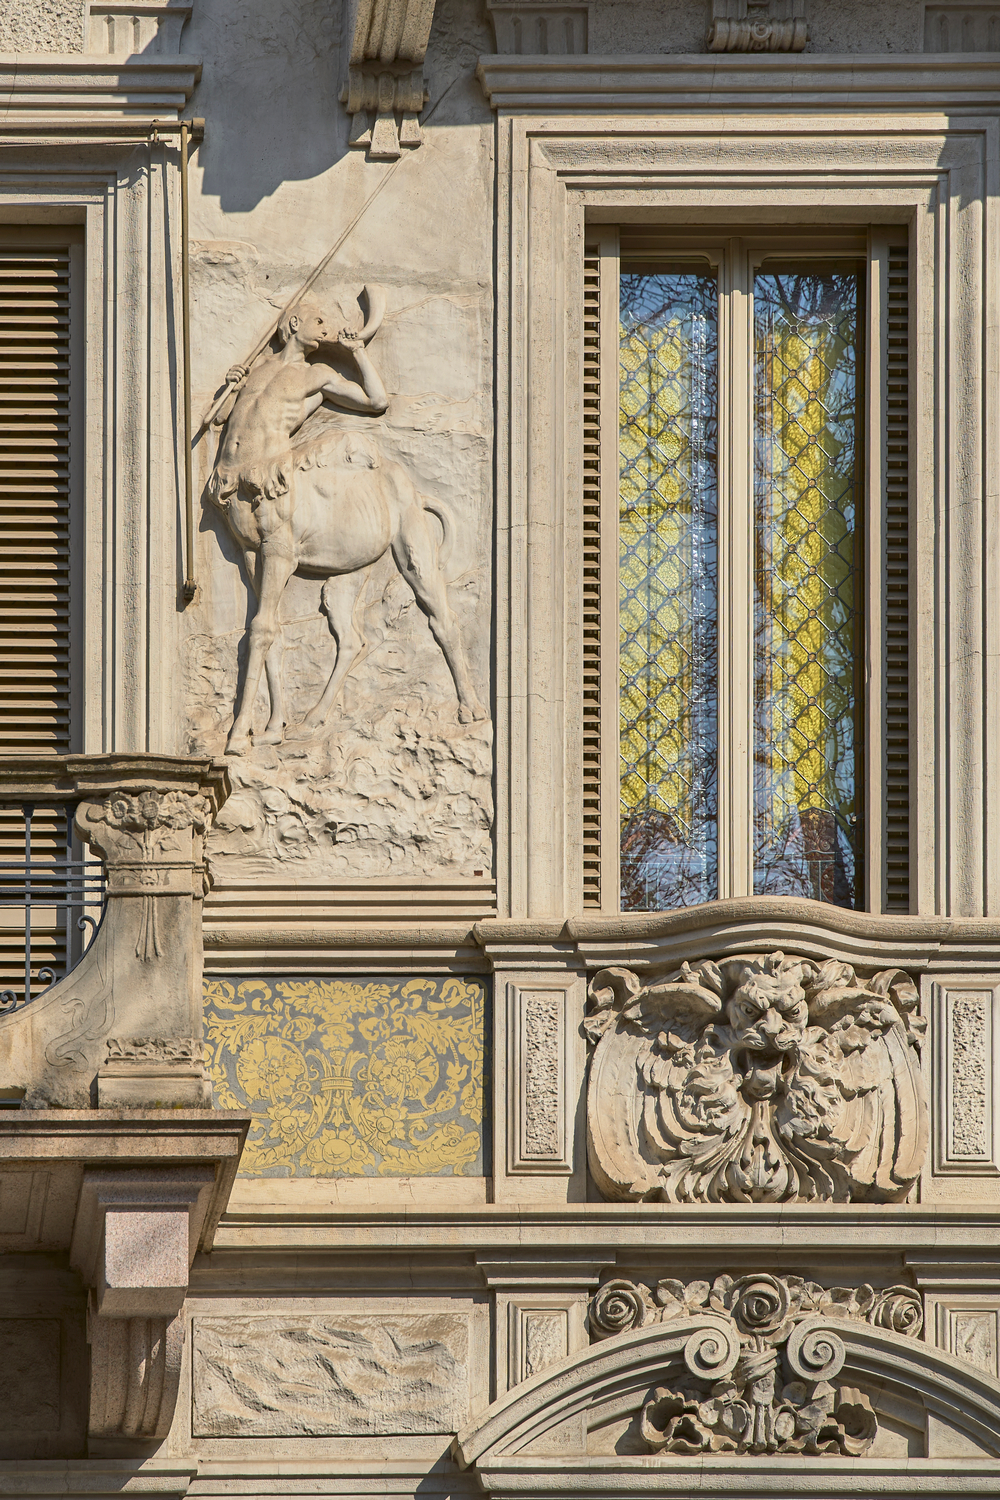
x=351, y=1077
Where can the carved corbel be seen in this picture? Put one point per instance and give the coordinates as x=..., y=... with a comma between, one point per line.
x=124, y=1027
x=385, y=75
x=135, y=1236
x=757, y=26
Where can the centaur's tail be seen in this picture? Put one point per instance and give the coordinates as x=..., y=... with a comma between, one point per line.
x=447, y=526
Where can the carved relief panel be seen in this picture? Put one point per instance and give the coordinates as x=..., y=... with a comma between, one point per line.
x=756, y=1080
x=339, y=647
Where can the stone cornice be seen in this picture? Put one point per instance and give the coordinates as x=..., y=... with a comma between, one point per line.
x=606, y=1227
x=767, y=82
x=55, y=95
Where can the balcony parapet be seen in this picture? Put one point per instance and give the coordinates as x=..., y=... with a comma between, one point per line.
x=123, y=1029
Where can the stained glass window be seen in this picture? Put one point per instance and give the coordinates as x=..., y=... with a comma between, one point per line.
x=668, y=658
x=796, y=520
x=806, y=627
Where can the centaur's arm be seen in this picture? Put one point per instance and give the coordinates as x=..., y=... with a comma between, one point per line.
x=370, y=396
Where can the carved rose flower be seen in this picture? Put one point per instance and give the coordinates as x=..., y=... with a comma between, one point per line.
x=899, y=1310
x=618, y=1306
x=757, y=1304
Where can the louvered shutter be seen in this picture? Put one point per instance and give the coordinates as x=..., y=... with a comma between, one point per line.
x=897, y=599
x=34, y=580
x=591, y=613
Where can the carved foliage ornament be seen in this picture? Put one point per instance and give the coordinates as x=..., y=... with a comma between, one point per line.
x=776, y=1396
x=756, y=1080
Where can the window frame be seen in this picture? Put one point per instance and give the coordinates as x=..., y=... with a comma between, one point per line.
x=736, y=257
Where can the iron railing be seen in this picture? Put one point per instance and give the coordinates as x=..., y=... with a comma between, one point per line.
x=60, y=895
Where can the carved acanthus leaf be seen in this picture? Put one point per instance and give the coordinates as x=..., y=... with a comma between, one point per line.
x=146, y=826
x=756, y=1080
x=776, y=1397
x=155, y=1049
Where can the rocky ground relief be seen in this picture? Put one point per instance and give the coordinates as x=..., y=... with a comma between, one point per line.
x=351, y=1078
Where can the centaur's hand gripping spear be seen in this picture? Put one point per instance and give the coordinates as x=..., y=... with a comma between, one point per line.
x=233, y=385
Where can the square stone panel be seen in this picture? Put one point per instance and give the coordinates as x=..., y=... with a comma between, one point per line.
x=352, y=1375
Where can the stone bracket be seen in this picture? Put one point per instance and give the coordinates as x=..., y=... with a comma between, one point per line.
x=135, y=1236
x=757, y=26
x=136, y=1233
x=385, y=75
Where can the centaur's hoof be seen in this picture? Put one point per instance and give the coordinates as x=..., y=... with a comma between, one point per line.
x=270, y=737
x=238, y=744
x=303, y=731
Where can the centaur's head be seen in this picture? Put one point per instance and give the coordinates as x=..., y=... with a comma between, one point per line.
x=311, y=325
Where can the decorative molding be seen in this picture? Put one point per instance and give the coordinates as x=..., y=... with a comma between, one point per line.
x=538, y=27
x=756, y=1080
x=78, y=95
x=164, y=1050
x=557, y=1423
x=124, y=27
x=385, y=74
x=758, y=1303
x=540, y=1138
x=757, y=26
x=969, y=1328
x=957, y=26
x=716, y=82
x=538, y=1336
x=966, y=1054
x=147, y=1069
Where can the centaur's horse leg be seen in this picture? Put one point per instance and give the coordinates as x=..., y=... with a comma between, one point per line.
x=274, y=733
x=340, y=597
x=275, y=565
x=415, y=551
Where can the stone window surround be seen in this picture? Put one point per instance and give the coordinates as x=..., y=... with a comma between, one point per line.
x=664, y=140
x=79, y=146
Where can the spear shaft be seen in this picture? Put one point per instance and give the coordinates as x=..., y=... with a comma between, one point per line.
x=308, y=284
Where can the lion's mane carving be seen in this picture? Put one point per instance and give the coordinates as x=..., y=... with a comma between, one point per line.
x=755, y=1080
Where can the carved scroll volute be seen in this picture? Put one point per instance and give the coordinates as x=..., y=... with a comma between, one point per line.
x=756, y=1080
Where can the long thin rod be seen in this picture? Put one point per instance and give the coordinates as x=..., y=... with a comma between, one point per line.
x=310, y=280
x=190, y=586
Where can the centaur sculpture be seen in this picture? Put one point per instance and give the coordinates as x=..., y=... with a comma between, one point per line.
x=328, y=508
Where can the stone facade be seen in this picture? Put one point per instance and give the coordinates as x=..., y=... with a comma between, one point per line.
x=361, y=1152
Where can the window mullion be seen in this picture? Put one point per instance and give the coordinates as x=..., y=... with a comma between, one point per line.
x=735, y=591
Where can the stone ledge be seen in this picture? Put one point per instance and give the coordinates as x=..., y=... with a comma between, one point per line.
x=49, y=94
x=759, y=81
x=54, y=1148
x=614, y=1226
x=75, y=1477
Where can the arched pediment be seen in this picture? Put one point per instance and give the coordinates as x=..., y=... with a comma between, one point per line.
x=852, y=1409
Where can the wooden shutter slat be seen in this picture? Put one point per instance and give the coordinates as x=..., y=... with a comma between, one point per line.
x=591, y=581
x=34, y=504
x=897, y=600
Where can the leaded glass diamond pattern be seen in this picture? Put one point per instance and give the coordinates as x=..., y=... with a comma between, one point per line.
x=807, y=628
x=668, y=589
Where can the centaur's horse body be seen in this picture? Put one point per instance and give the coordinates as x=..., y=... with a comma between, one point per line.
x=327, y=509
